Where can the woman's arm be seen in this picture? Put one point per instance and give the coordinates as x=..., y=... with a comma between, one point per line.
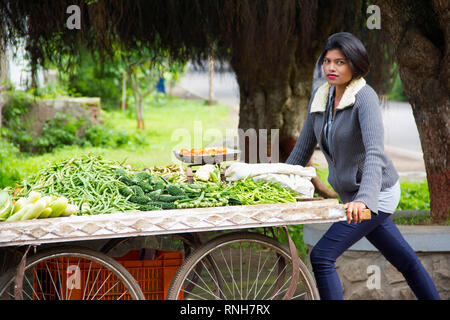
x=372, y=131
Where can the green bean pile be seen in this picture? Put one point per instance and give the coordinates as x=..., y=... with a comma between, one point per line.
x=250, y=192
x=88, y=181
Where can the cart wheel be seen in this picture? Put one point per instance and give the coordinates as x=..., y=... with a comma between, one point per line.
x=190, y=242
x=240, y=265
x=72, y=273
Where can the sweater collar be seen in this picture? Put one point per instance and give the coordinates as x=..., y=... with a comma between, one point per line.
x=348, y=98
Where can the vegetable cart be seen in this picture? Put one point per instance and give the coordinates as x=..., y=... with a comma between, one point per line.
x=236, y=264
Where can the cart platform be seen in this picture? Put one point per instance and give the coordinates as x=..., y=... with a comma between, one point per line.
x=147, y=223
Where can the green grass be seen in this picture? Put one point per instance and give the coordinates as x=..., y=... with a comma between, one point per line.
x=418, y=220
x=170, y=123
x=414, y=196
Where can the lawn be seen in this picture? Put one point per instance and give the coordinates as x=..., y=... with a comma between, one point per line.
x=170, y=123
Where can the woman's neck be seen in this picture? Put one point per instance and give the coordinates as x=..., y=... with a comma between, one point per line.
x=339, y=91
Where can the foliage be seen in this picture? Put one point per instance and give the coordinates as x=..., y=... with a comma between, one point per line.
x=59, y=131
x=62, y=130
x=142, y=149
x=414, y=196
x=18, y=103
x=9, y=154
x=92, y=79
x=397, y=92
x=258, y=36
x=418, y=220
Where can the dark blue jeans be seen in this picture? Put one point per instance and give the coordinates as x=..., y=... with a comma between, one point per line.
x=386, y=237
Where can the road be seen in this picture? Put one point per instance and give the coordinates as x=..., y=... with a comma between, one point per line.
x=402, y=141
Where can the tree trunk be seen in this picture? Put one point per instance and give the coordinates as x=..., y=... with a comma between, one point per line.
x=124, y=89
x=140, y=112
x=423, y=60
x=275, y=103
x=3, y=78
x=211, y=100
x=138, y=97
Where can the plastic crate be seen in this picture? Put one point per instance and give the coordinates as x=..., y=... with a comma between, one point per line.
x=153, y=276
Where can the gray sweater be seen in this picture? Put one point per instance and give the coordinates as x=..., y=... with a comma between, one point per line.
x=358, y=167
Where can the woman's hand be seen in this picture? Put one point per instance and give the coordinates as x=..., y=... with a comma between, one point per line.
x=354, y=210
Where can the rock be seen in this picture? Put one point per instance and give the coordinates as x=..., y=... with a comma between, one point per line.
x=402, y=293
x=356, y=271
x=393, y=275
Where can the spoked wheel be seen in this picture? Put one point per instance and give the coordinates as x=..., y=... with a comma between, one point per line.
x=240, y=266
x=72, y=273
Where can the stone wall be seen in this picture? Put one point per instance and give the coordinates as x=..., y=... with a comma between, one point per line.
x=80, y=108
x=366, y=274
x=358, y=271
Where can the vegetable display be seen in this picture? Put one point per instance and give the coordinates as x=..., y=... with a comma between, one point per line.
x=91, y=185
x=251, y=192
x=88, y=182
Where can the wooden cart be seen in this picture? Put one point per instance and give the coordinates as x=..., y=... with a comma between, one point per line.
x=236, y=264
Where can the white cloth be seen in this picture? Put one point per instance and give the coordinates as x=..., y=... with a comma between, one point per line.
x=389, y=198
x=294, y=177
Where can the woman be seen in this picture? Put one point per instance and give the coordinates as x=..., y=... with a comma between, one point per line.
x=344, y=118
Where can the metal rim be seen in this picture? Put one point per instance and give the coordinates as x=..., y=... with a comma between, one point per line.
x=269, y=280
x=104, y=276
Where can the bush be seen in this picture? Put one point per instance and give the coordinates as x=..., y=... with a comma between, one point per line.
x=93, y=79
x=57, y=132
x=105, y=136
x=8, y=158
x=397, y=92
x=414, y=196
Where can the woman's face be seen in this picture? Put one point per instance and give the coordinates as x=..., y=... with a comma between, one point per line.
x=336, y=68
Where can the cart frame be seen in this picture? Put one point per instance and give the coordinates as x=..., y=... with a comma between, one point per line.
x=171, y=222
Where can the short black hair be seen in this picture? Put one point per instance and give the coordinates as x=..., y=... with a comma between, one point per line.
x=352, y=48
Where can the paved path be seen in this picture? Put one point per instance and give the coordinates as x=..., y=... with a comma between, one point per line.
x=402, y=142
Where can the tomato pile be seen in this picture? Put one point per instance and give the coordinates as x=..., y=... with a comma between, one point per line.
x=203, y=151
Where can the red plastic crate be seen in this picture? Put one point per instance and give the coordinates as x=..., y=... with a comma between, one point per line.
x=153, y=276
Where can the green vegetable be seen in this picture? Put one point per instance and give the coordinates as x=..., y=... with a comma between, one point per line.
x=137, y=191
x=86, y=180
x=5, y=204
x=58, y=206
x=162, y=205
x=45, y=213
x=145, y=186
x=18, y=215
x=22, y=202
x=141, y=176
x=69, y=210
x=139, y=199
x=122, y=176
x=175, y=191
x=34, y=210
x=159, y=185
x=169, y=198
x=154, y=195
x=149, y=208
x=250, y=192
x=126, y=191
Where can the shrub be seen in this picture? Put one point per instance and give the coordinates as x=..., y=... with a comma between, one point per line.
x=57, y=132
x=8, y=158
x=414, y=196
